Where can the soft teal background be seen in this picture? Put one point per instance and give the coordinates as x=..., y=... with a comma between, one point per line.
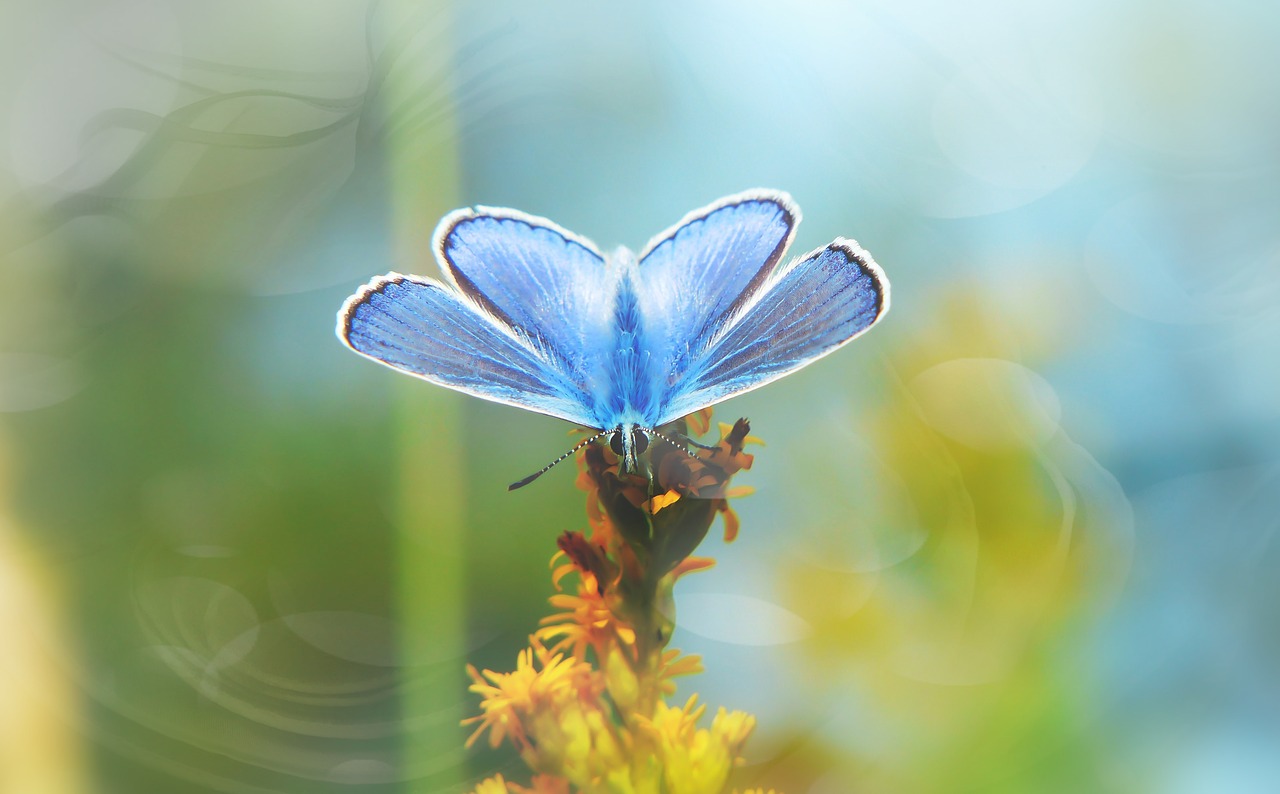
x=1020, y=538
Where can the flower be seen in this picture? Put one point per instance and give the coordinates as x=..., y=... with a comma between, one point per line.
x=554, y=713
x=493, y=785
x=657, y=524
x=507, y=698
x=586, y=619
x=586, y=705
x=542, y=784
x=697, y=760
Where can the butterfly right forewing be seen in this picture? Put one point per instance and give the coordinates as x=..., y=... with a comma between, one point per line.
x=803, y=312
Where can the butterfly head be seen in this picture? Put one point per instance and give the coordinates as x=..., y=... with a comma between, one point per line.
x=628, y=442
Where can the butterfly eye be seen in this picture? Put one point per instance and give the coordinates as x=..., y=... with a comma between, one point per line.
x=640, y=440
x=615, y=443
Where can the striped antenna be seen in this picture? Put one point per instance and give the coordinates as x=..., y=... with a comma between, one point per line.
x=675, y=444
x=547, y=468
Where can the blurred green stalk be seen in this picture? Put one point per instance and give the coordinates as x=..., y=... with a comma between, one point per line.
x=422, y=168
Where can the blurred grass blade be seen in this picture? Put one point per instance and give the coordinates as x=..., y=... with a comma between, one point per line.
x=415, y=61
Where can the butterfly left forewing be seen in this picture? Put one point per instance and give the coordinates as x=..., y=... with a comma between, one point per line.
x=550, y=285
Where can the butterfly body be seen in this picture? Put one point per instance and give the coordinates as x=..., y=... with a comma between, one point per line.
x=535, y=316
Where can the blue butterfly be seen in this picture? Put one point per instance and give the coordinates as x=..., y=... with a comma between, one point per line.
x=535, y=316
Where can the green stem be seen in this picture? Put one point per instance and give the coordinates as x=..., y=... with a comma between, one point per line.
x=431, y=514
x=415, y=63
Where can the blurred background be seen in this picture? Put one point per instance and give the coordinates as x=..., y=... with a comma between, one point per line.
x=1017, y=539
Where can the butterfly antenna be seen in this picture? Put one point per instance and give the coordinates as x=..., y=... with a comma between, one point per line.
x=691, y=442
x=547, y=468
x=676, y=444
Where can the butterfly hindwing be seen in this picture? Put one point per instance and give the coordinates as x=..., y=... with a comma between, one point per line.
x=803, y=312
x=423, y=328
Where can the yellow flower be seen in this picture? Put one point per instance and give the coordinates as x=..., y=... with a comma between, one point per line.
x=587, y=619
x=553, y=710
x=699, y=423
x=508, y=698
x=493, y=785
x=697, y=760
x=662, y=500
x=541, y=784
x=584, y=620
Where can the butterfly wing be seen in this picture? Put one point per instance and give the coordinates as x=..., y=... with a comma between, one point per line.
x=423, y=328
x=530, y=318
x=719, y=256
x=549, y=285
x=801, y=313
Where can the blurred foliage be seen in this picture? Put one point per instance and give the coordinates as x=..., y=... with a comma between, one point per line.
x=963, y=651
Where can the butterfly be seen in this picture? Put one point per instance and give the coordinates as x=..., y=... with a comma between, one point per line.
x=534, y=316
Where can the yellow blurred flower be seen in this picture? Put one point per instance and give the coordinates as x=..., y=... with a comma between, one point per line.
x=493, y=785
x=697, y=760
x=541, y=784
x=942, y=589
